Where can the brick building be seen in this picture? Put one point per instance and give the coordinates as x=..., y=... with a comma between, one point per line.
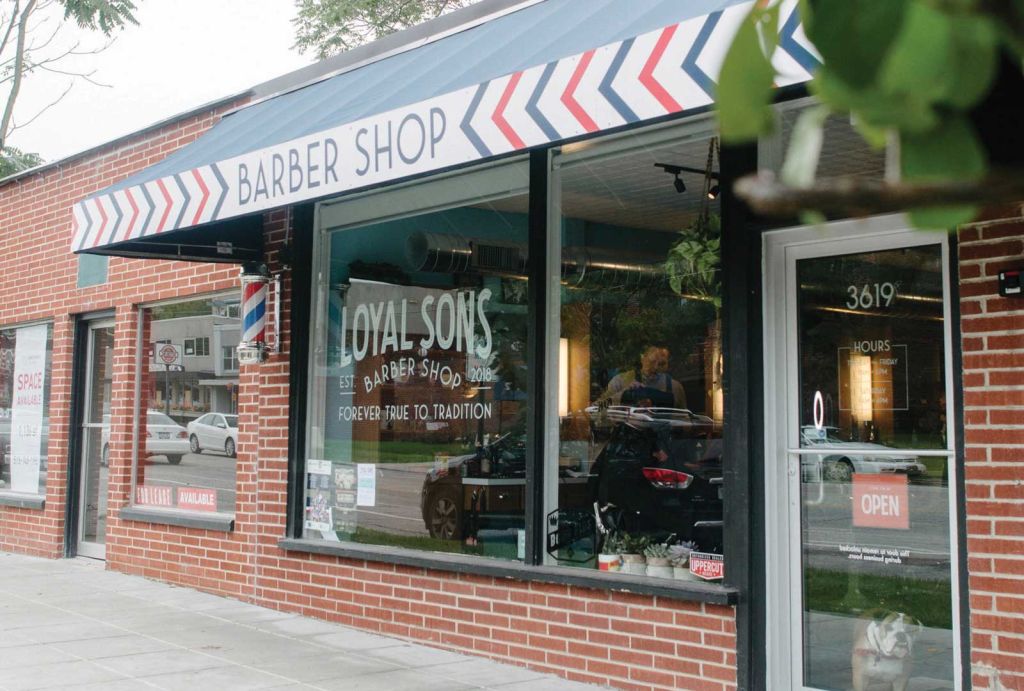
x=490, y=377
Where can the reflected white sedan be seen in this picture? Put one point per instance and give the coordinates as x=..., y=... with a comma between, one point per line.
x=846, y=457
x=215, y=432
x=164, y=437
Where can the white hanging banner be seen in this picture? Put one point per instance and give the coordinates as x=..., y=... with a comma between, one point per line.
x=27, y=408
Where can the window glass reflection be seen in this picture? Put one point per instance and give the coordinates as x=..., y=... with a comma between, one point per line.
x=188, y=430
x=421, y=384
x=640, y=401
x=875, y=525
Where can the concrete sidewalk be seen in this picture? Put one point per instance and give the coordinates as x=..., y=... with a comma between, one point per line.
x=71, y=624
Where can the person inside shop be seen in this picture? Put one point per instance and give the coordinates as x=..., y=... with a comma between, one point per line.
x=648, y=386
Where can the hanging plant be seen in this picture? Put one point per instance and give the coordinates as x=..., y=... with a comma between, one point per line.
x=694, y=261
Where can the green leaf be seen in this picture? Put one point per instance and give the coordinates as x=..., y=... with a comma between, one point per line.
x=745, y=84
x=942, y=217
x=920, y=55
x=940, y=57
x=950, y=151
x=975, y=59
x=805, y=147
x=853, y=36
x=874, y=107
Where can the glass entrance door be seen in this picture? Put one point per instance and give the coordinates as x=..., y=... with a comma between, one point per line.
x=95, y=435
x=862, y=452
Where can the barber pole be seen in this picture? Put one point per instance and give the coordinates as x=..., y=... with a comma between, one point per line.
x=255, y=279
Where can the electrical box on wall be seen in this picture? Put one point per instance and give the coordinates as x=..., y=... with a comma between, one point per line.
x=1010, y=283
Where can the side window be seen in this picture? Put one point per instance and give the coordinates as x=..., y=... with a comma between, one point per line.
x=182, y=463
x=25, y=361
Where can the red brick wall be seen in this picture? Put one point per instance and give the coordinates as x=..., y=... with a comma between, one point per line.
x=38, y=280
x=625, y=640
x=993, y=377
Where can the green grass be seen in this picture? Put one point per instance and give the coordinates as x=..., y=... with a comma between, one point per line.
x=844, y=593
x=358, y=451
x=498, y=549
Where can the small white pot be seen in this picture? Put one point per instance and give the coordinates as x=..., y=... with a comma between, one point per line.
x=634, y=564
x=682, y=573
x=609, y=562
x=659, y=570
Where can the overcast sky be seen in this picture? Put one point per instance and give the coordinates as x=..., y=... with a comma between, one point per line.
x=184, y=53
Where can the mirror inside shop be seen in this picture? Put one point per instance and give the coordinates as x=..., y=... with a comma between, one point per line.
x=422, y=373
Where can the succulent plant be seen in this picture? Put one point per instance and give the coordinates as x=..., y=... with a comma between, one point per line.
x=634, y=544
x=656, y=551
x=613, y=543
x=679, y=555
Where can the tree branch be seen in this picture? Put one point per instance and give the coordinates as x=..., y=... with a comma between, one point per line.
x=19, y=58
x=859, y=197
x=16, y=126
x=10, y=27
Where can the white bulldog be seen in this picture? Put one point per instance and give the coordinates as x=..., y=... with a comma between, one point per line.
x=883, y=651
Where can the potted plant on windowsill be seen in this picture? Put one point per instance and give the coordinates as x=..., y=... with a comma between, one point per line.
x=633, y=560
x=658, y=561
x=610, y=558
x=679, y=556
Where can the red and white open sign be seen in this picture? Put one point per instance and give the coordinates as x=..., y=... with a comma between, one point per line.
x=881, y=501
x=708, y=566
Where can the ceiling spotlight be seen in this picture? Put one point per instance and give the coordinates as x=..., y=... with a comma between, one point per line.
x=713, y=192
x=675, y=171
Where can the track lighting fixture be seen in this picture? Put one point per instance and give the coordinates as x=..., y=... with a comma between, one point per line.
x=680, y=185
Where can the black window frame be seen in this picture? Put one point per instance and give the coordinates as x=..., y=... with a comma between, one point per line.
x=740, y=287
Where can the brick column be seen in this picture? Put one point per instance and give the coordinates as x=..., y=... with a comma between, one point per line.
x=993, y=379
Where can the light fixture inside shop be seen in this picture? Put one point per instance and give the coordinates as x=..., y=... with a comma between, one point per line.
x=563, y=377
x=680, y=185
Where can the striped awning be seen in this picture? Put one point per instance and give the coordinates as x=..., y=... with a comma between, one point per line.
x=547, y=72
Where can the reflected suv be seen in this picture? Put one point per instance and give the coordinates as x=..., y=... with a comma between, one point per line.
x=659, y=473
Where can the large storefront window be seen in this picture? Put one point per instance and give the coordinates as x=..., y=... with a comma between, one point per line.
x=639, y=401
x=188, y=407
x=25, y=361
x=418, y=402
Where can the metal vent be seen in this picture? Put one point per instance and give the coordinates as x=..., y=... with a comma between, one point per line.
x=499, y=258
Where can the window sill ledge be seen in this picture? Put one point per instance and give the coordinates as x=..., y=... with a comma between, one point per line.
x=482, y=566
x=218, y=522
x=22, y=501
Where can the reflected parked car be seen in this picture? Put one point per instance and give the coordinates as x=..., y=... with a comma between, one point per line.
x=164, y=437
x=659, y=473
x=844, y=458
x=214, y=431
